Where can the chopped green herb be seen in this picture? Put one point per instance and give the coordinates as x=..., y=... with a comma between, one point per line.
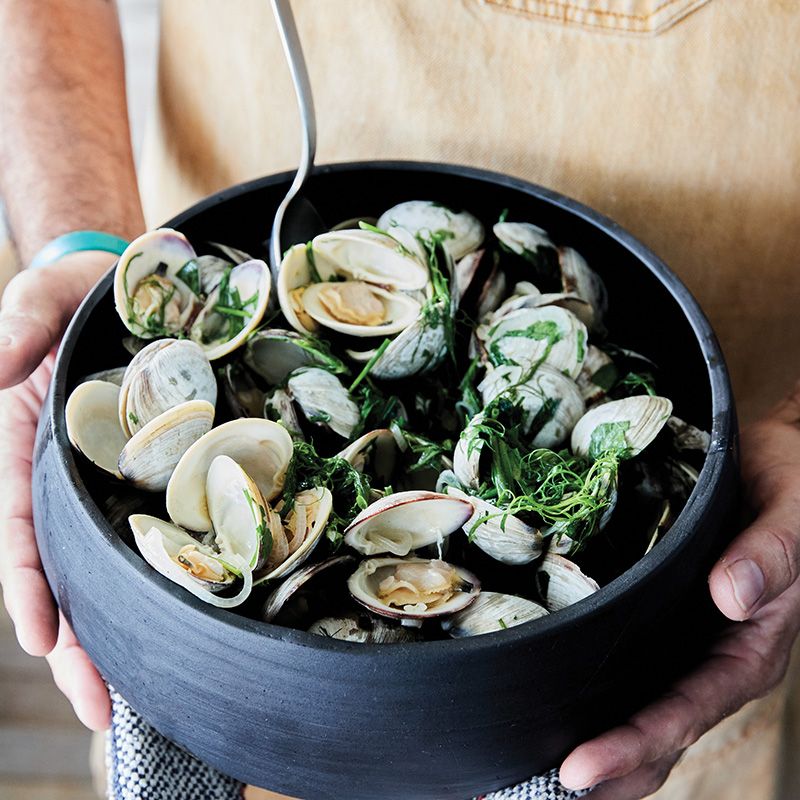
x=609, y=437
x=190, y=275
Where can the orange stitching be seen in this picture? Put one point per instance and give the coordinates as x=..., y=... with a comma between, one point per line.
x=505, y=5
x=592, y=11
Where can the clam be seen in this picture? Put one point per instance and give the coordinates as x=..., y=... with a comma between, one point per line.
x=419, y=348
x=113, y=375
x=164, y=374
x=244, y=398
x=688, y=437
x=356, y=308
x=467, y=453
x=460, y=231
x=402, y=522
x=550, y=400
x=233, y=309
x=93, y=424
x=579, y=279
x=597, y=376
x=535, y=247
x=363, y=628
x=323, y=400
x=532, y=336
x=280, y=596
x=526, y=295
x=262, y=448
x=561, y=582
x=624, y=427
x=491, y=612
x=274, y=353
x=153, y=284
x=375, y=452
x=279, y=406
x=502, y=536
x=295, y=536
x=412, y=588
x=158, y=292
x=197, y=567
x=150, y=455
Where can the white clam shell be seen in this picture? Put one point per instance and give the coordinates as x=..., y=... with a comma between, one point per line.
x=253, y=282
x=405, y=521
x=522, y=237
x=262, y=448
x=164, y=374
x=368, y=256
x=237, y=510
x=400, y=310
x=562, y=583
x=317, y=505
x=150, y=455
x=376, y=449
x=159, y=542
x=502, y=536
x=295, y=273
x=578, y=278
x=160, y=251
x=517, y=338
x=467, y=454
x=548, y=397
x=492, y=612
x=323, y=399
x=596, y=364
x=419, y=348
x=274, y=353
x=355, y=628
x=644, y=415
x=93, y=424
x=365, y=581
x=424, y=217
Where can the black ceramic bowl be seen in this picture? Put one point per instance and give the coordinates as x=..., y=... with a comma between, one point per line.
x=319, y=718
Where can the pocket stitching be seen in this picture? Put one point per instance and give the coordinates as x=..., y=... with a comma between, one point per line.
x=567, y=7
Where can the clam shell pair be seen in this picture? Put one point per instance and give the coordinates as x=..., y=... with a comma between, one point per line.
x=139, y=430
x=161, y=290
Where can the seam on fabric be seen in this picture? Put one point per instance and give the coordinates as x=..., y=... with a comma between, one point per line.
x=575, y=16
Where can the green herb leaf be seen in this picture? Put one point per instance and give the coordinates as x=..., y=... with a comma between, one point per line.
x=609, y=438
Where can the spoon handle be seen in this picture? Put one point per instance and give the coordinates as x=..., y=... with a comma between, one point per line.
x=290, y=40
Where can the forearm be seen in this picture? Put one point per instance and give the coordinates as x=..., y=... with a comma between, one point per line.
x=65, y=153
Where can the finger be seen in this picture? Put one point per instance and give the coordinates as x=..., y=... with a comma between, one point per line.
x=639, y=784
x=79, y=680
x=37, y=305
x=25, y=589
x=743, y=664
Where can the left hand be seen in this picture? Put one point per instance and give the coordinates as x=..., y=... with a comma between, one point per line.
x=755, y=583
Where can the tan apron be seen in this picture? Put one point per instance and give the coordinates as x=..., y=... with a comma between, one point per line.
x=680, y=119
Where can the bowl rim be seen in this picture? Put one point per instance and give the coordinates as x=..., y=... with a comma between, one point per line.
x=615, y=592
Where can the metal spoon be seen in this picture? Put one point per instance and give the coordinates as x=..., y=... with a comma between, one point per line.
x=296, y=220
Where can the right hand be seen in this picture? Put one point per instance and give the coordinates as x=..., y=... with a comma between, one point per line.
x=36, y=307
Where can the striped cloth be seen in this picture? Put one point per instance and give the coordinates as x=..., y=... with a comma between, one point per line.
x=143, y=765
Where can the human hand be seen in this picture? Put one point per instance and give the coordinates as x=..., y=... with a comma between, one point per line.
x=36, y=307
x=755, y=583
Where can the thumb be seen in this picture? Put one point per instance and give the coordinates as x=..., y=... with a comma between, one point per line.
x=37, y=305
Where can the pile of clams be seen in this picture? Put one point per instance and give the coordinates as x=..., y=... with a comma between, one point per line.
x=423, y=429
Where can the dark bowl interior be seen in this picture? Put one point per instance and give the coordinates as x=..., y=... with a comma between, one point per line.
x=319, y=718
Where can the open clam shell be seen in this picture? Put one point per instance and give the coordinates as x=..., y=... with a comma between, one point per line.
x=238, y=512
x=597, y=375
x=491, y=612
x=624, y=427
x=151, y=292
x=93, y=424
x=304, y=525
x=280, y=596
x=467, y=453
x=375, y=452
x=233, y=309
x=578, y=278
x=531, y=336
x=462, y=231
x=150, y=455
x=368, y=256
x=185, y=561
x=295, y=274
x=502, y=536
x=356, y=308
x=274, y=353
x=405, y=521
x=262, y=448
x=412, y=588
x=164, y=374
x=561, y=582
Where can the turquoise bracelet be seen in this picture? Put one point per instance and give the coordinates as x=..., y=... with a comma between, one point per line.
x=77, y=242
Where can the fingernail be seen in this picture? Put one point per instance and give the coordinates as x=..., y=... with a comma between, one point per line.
x=581, y=779
x=748, y=582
